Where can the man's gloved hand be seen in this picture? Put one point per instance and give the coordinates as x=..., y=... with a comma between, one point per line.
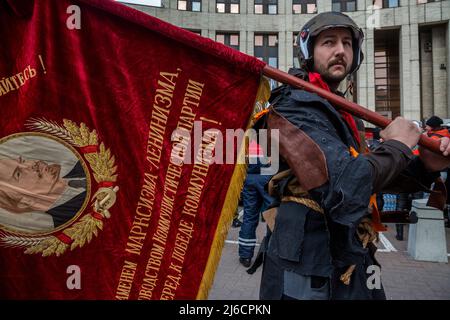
x=401, y=130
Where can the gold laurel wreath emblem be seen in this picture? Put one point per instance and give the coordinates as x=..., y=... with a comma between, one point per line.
x=102, y=164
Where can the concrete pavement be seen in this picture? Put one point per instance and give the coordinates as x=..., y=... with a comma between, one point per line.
x=403, y=277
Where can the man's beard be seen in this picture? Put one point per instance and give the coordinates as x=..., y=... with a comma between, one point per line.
x=328, y=77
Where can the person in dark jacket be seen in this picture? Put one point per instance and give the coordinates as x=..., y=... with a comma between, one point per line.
x=255, y=199
x=321, y=244
x=434, y=128
x=404, y=201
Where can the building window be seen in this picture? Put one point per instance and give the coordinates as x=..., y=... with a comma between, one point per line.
x=199, y=32
x=385, y=3
x=228, y=39
x=227, y=6
x=390, y=3
x=152, y=3
x=266, y=49
x=190, y=5
x=387, y=72
x=343, y=5
x=424, y=1
x=273, y=40
x=266, y=6
x=259, y=40
x=304, y=6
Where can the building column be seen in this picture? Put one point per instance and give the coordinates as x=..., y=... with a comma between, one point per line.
x=281, y=7
x=289, y=35
x=250, y=42
x=448, y=67
x=426, y=80
x=209, y=34
x=165, y=3
x=250, y=6
x=243, y=41
x=209, y=8
x=209, y=5
x=323, y=6
x=243, y=33
x=414, y=112
x=289, y=49
x=282, y=48
x=361, y=83
x=370, y=71
x=439, y=75
x=243, y=7
x=287, y=7
x=365, y=74
x=361, y=5
x=174, y=15
x=409, y=72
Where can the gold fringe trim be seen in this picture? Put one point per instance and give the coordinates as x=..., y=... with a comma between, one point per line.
x=230, y=204
x=345, y=278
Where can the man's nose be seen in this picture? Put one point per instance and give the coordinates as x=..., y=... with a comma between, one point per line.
x=339, y=49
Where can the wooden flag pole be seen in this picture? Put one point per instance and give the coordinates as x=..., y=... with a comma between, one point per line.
x=339, y=102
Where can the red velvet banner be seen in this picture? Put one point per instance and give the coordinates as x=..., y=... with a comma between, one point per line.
x=100, y=106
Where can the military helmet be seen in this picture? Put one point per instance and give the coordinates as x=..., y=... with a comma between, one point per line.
x=321, y=22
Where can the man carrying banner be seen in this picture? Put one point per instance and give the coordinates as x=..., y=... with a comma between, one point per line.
x=322, y=240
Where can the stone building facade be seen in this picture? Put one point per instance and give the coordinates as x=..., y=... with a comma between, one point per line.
x=406, y=47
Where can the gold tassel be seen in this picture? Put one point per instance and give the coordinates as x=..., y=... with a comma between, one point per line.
x=230, y=204
x=345, y=278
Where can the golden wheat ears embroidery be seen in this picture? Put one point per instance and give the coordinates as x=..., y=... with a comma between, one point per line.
x=102, y=164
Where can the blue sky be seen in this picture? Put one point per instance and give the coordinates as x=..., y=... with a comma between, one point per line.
x=144, y=2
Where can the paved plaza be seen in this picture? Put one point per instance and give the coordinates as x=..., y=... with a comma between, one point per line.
x=403, y=277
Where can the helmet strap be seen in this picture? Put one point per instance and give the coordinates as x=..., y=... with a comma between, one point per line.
x=350, y=85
